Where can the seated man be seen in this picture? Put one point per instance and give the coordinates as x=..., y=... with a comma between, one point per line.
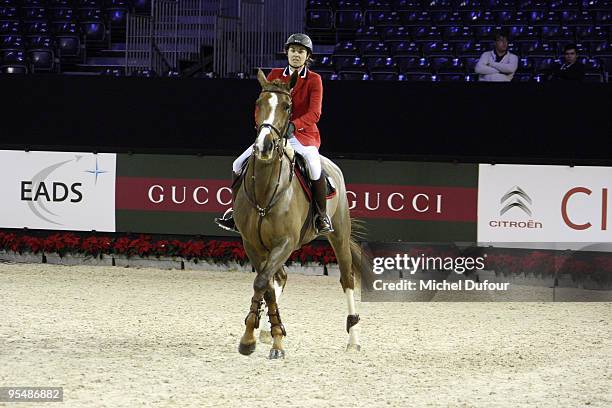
x=498, y=65
x=571, y=69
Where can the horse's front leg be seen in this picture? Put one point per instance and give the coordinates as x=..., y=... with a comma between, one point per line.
x=263, y=283
x=278, y=283
x=277, y=329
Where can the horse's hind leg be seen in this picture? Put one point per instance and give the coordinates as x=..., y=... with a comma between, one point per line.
x=280, y=279
x=340, y=242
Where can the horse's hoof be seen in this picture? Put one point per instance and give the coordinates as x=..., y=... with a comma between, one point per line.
x=276, y=354
x=246, y=349
x=353, y=348
x=265, y=337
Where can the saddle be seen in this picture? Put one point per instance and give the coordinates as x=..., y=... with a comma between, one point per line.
x=301, y=173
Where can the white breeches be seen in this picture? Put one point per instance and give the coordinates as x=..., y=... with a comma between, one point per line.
x=310, y=154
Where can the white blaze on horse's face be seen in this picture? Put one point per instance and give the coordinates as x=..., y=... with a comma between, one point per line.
x=265, y=140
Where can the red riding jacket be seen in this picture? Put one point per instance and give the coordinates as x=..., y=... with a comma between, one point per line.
x=307, y=97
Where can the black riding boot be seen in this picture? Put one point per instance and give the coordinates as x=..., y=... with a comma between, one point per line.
x=322, y=222
x=227, y=220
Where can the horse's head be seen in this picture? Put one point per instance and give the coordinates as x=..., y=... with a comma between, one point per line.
x=273, y=115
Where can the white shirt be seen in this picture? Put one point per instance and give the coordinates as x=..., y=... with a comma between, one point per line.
x=492, y=71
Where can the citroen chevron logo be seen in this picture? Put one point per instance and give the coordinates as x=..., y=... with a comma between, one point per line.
x=515, y=197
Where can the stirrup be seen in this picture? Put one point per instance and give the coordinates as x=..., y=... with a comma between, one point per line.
x=227, y=221
x=327, y=227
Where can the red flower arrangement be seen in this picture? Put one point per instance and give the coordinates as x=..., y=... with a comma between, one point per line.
x=217, y=251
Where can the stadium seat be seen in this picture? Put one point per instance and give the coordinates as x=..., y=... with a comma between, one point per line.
x=405, y=48
x=539, y=49
x=450, y=77
x=94, y=30
x=470, y=63
x=62, y=14
x=369, y=34
x=484, y=33
x=603, y=17
x=40, y=42
x=525, y=65
x=318, y=4
x=348, y=4
x=500, y=5
x=535, y=17
x=564, y=4
x=400, y=33
x=36, y=27
x=381, y=64
x=384, y=76
x=557, y=33
x=34, y=13
x=446, y=18
x=446, y=64
x=375, y=49
x=41, y=60
x=600, y=49
x=13, y=56
x=522, y=77
x=591, y=64
x=470, y=5
x=346, y=62
x=14, y=69
x=144, y=73
x=382, y=18
x=591, y=33
x=415, y=18
x=456, y=33
x=11, y=41
x=438, y=48
x=431, y=33
x=117, y=17
x=475, y=18
x=418, y=76
x=69, y=46
x=9, y=27
x=8, y=13
x=573, y=17
x=352, y=76
x=64, y=27
x=319, y=19
x=379, y=5
x=443, y=5
x=345, y=48
x=412, y=64
x=348, y=19
x=593, y=77
x=89, y=14
x=471, y=49
x=592, y=5
x=408, y=5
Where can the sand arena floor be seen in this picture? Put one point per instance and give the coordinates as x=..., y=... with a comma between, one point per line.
x=118, y=337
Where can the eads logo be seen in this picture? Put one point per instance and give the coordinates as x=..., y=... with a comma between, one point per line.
x=41, y=191
x=571, y=194
x=516, y=202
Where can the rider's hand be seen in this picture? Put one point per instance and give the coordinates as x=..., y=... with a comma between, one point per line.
x=290, y=130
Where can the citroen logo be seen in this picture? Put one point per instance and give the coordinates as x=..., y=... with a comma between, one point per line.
x=515, y=197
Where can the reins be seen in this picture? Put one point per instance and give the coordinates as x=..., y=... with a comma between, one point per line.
x=280, y=145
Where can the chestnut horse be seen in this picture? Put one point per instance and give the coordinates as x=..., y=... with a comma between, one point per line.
x=274, y=218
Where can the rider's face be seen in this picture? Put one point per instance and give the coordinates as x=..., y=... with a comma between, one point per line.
x=296, y=55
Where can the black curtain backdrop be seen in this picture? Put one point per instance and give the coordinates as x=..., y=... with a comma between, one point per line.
x=466, y=122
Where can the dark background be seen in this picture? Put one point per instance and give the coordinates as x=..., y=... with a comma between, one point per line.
x=467, y=122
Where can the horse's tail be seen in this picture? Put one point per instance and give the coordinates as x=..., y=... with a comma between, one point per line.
x=360, y=259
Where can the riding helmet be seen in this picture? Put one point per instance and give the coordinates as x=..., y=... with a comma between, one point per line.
x=301, y=39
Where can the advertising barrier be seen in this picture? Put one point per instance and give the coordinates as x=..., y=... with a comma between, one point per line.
x=57, y=190
x=548, y=206
x=399, y=200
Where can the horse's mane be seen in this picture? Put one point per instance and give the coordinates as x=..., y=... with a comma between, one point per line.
x=276, y=85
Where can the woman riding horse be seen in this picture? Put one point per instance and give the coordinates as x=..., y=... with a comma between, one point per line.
x=302, y=133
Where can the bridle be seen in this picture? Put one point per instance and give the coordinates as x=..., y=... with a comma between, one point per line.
x=280, y=143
